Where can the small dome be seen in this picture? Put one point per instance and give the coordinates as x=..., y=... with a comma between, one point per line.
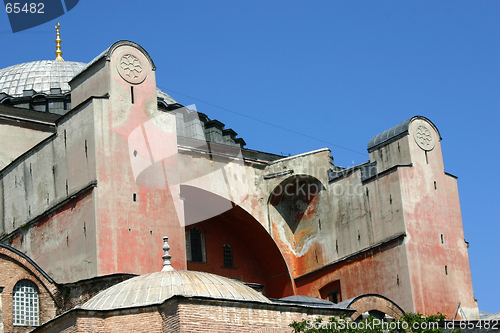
x=40, y=76
x=155, y=288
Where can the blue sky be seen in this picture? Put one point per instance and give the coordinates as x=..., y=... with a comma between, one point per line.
x=336, y=71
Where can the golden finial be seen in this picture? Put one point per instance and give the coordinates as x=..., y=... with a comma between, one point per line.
x=58, y=45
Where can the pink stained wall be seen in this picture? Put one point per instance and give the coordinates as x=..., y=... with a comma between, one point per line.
x=440, y=272
x=129, y=233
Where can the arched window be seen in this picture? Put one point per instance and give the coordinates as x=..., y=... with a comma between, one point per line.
x=25, y=304
x=195, y=245
x=228, y=256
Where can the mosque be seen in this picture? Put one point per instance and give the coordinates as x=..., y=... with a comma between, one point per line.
x=97, y=165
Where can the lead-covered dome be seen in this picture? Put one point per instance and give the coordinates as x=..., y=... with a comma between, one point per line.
x=47, y=81
x=155, y=288
x=40, y=76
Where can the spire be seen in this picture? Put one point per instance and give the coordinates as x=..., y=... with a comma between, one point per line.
x=167, y=266
x=58, y=45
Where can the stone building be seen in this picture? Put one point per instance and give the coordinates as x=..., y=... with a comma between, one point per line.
x=97, y=164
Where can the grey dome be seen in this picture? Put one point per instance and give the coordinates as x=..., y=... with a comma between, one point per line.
x=43, y=75
x=155, y=288
x=40, y=76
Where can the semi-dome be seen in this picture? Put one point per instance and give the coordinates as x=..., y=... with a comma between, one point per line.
x=155, y=288
x=40, y=76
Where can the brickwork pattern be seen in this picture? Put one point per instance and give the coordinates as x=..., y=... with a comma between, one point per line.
x=15, y=268
x=76, y=294
x=370, y=303
x=187, y=315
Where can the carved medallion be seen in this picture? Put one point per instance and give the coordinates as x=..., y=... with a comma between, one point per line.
x=130, y=69
x=424, y=138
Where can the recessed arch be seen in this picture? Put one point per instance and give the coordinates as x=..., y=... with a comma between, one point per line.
x=374, y=304
x=295, y=199
x=256, y=257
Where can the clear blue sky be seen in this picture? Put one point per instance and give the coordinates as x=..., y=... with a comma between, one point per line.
x=338, y=71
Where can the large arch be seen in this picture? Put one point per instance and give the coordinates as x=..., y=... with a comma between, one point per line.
x=257, y=258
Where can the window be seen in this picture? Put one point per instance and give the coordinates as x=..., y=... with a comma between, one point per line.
x=25, y=304
x=331, y=292
x=195, y=245
x=333, y=296
x=228, y=256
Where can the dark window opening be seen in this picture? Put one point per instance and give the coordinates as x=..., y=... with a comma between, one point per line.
x=442, y=239
x=435, y=185
x=446, y=269
x=228, y=256
x=196, y=248
x=331, y=292
x=134, y=197
x=333, y=296
x=132, y=94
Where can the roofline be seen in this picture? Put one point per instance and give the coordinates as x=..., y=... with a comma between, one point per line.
x=106, y=54
x=180, y=298
x=396, y=132
x=40, y=121
x=28, y=259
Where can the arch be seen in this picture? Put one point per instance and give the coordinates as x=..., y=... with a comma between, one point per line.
x=294, y=199
x=375, y=304
x=256, y=257
x=32, y=268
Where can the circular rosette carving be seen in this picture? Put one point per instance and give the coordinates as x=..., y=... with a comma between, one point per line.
x=130, y=69
x=424, y=138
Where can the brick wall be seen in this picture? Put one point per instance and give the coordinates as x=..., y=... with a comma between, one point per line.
x=188, y=315
x=14, y=268
x=76, y=294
